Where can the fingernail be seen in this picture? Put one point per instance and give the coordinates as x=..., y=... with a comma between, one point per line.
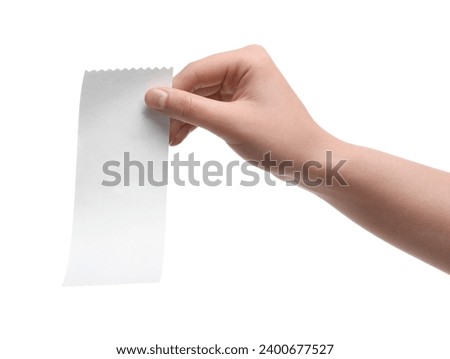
x=156, y=99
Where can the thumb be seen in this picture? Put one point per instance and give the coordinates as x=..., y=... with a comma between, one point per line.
x=212, y=115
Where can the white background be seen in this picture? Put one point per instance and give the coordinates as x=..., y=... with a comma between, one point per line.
x=242, y=266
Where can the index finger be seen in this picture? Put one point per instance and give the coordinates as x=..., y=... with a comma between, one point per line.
x=223, y=69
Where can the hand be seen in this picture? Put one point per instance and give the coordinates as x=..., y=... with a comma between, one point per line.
x=242, y=97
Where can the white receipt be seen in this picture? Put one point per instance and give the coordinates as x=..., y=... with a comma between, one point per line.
x=119, y=217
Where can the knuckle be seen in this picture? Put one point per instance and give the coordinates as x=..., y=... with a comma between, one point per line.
x=258, y=51
x=257, y=55
x=190, y=76
x=183, y=105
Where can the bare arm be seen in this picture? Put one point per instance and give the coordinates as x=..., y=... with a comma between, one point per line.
x=402, y=202
x=243, y=98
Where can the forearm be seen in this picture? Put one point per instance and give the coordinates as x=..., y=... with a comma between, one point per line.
x=402, y=202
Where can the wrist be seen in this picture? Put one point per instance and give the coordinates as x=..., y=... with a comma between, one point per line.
x=321, y=163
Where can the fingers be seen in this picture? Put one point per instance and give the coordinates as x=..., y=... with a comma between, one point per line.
x=211, y=71
x=179, y=131
x=193, y=109
x=199, y=89
x=221, y=70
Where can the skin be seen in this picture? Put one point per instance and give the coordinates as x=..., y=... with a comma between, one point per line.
x=242, y=97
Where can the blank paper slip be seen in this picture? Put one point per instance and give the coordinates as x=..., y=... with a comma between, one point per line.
x=119, y=217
